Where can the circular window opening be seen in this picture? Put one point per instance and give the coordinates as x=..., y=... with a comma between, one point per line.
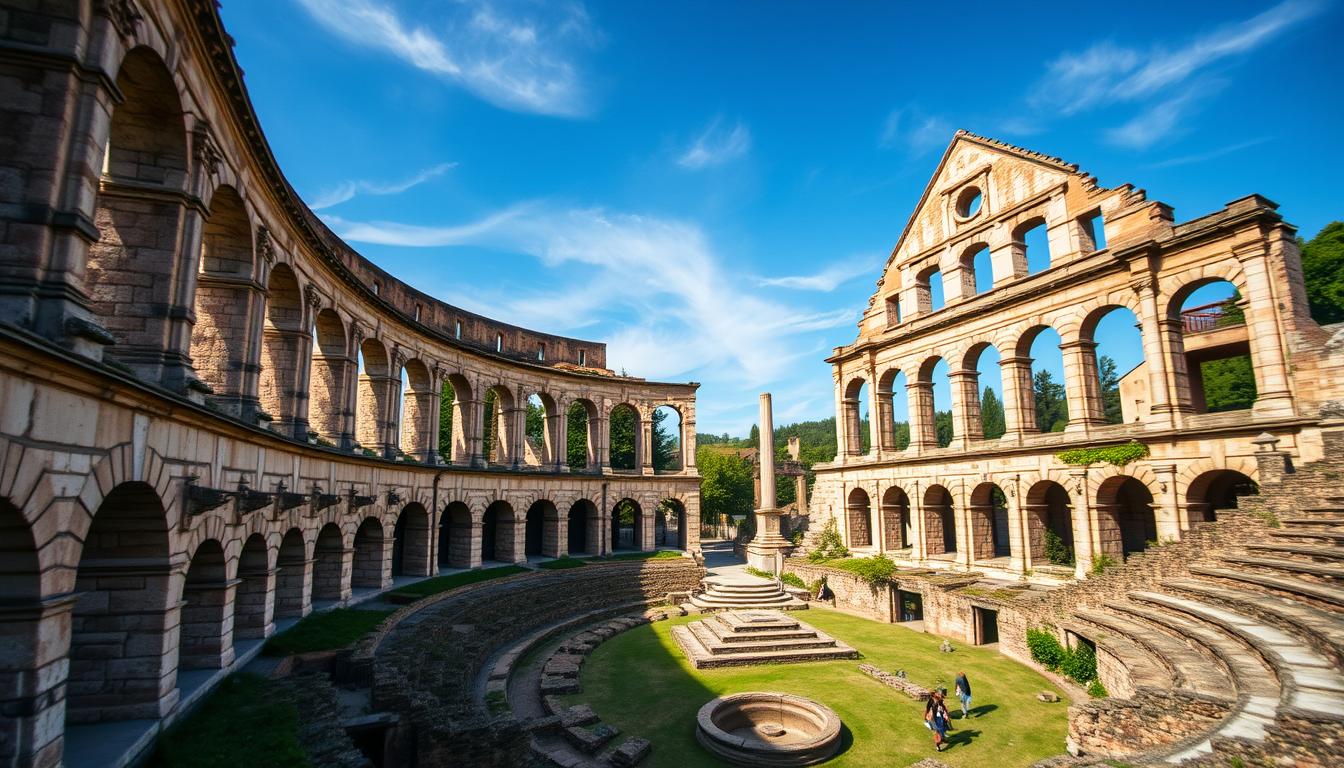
x=968, y=202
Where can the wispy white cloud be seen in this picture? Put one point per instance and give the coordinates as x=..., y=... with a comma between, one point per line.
x=667, y=288
x=828, y=279
x=1166, y=82
x=911, y=129
x=505, y=56
x=347, y=190
x=1210, y=155
x=716, y=145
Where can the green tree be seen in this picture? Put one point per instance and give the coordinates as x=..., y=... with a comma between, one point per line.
x=488, y=429
x=991, y=415
x=534, y=423
x=622, y=445
x=1110, y=390
x=1323, y=272
x=726, y=484
x=577, y=446
x=901, y=432
x=446, y=422
x=1052, y=409
x=942, y=428
x=1229, y=384
x=665, y=443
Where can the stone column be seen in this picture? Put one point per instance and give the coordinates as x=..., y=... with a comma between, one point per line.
x=351, y=377
x=922, y=432
x=476, y=407
x=961, y=520
x=207, y=625
x=1082, y=386
x=1178, y=375
x=841, y=420
x=878, y=443
x=1162, y=406
x=1167, y=512
x=599, y=436
x=255, y=601
x=1273, y=396
x=33, y=670
x=966, y=422
x=1019, y=545
x=645, y=442
x=767, y=547
x=294, y=589
x=688, y=447
x=1086, y=530
x=1019, y=401
x=918, y=548
x=560, y=446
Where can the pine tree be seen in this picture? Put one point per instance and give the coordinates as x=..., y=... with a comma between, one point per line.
x=1052, y=409
x=942, y=428
x=1110, y=390
x=991, y=415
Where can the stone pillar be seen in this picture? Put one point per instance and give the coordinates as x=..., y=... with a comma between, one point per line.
x=688, y=446
x=1178, y=376
x=35, y=634
x=1082, y=385
x=923, y=435
x=1162, y=408
x=1086, y=528
x=294, y=589
x=555, y=533
x=1019, y=400
x=645, y=442
x=961, y=519
x=560, y=444
x=255, y=605
x=918, y=549
x=841, y=420
x=476, y=407
x=1019, y=545
x=1274, y=396
x=600, y=435
x=768, y=544
x=207, y=625
x=966, y=422
x=418, y=429
x=1167, y=512
x=879, y=443
x=515, y=429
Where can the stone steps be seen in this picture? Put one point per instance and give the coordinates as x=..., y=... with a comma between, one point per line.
x=1335, y=537
x=1321, y=592
x=719, y=645
x=1190, y=669
x=1322, y=516
x=722, y=641
x=1291, y=566
x=1292, y=615
x=1141, y=666
x=1302, y=550
x=1311, y=683
x=742, y=593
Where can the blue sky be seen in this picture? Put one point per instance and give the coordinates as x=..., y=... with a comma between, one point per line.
x=711, y=188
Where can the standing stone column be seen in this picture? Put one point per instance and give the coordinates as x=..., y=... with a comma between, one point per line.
x=1273, y=397
x=33, y=671
x=476, y=439
x=560, y=443
x=1019, y=402
x=768, y=547
x=646, y=444
x=923, y=435
x=1161, y=406
x=1082, y=385
x=966, y=422
x=1167, y=512
x=1086, y=526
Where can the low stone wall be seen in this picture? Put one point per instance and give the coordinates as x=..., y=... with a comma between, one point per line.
x=1150, y=719
x=916, y=692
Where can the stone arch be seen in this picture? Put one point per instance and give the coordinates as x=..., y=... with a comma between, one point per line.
x=501, y=431
x=456, y=530
x=330, y=372
x=19, y=568
x=897, y=530
x=859, y=518
x=1213, y=336
x=127, y=610
x=1217, y=489
x=221, y=331
x=671, y=513
x=892, y=389
x=374, y=397
x=331, y=565
x=416, y=409
x=940, y=528
x=851, y=414
x=410, y=541
x=625, y=438
x=282, y=346
x=133, y=269
x=371, y=567
x=988, y=512
x=583, y=435
x=207, y=617
x=455, y=407
x=924, y=406
x=979, y=423
x=254, y=600
x=1049, y=516
x=585, y=528
x=541, y=535
x=1024, y=259
x=541, y=424
x=970, y=276
x=627, y=525
x=669, y=457
x=1126, y=522
x=1039, y=413
x=498, y=533
x=293, y=585
x=1102, y=399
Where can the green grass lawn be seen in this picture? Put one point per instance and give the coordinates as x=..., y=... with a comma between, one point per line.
x=562, y=563
x=240, y=724
x=640, y=682
x=656, y=555
x=326, y=631
x=423, y=589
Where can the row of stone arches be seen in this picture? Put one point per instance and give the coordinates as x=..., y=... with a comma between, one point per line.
x=1042, y=529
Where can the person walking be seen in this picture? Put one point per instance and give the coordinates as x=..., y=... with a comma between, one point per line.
x=937, y=720
x=963, y=687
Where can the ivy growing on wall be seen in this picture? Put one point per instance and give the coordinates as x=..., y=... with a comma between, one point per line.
x=1119, y=455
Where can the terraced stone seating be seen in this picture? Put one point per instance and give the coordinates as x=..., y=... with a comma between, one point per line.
x=738, y=638
x=1255, y=624
x=734, y=592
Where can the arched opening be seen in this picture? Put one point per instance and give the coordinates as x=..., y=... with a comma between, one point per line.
x=252, y=605
x=896, y=529
x=1125, y=520
x=327, y=381
x=627, y=525
x=1031, y=247
x=584, y=528
x=976, y=265
x=369, y=567
x=1114, y=367
x=329, y=557
x=1215, y=490
x=417, y=408
x=372, y=399
x=859, y=519
x=893, y=399
x=624, y=440
x=19, y=570
x=854, y=412
x=989, y=522
x=1049, y=512
x=126, y=612
x=455, y=533
x=940, y=529
x=581, y=434
x=1213, y=345
x=282, y=343
x=1048, y=400
x=672, y=515
x=935, y=391
x=497, y=533
x=410, y=542
x=542, y=531
x=223, y=308
x=499, y=436
x=983, y=392
x=292, y=595
x=26, y=646
x=667, y=439
x=455, y=431
x=539, y=438
x=207, y=613
x=132, y=271
x=929, y=289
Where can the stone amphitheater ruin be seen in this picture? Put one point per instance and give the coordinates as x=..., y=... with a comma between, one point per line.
x=204, y=435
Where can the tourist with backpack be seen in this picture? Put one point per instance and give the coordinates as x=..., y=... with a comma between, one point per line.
x=963, y=687
x=937, y=719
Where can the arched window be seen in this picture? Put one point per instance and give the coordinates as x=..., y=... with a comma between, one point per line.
x=1214, y=346
x=1050, y=407
x=1115, y=366
x=893, y=397
x=582, y=436
x=859, y=519
x=327, y=381
x=984, y=400
x=624, y=439
x=281, y=344
x=929, y=287
x=223, y=309
x=1031, y=247
x=854, y=413
x=667, y=434
x=373, y=396
x=417, y=408
x=979, y=269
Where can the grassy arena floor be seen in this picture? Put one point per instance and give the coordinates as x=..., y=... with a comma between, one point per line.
x=640, y=682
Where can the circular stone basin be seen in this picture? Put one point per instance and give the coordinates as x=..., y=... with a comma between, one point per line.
x=770, y=729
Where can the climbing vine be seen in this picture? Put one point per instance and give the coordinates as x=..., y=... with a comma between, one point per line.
x=1119, y=455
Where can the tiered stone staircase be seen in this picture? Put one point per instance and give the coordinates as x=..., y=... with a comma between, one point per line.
x=1248, y=617
x=736, y=592
x=739, y=638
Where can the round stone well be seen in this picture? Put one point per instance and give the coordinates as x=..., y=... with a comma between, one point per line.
x=768, y=729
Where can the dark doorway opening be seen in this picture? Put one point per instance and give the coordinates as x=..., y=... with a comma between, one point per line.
x=986, y=626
